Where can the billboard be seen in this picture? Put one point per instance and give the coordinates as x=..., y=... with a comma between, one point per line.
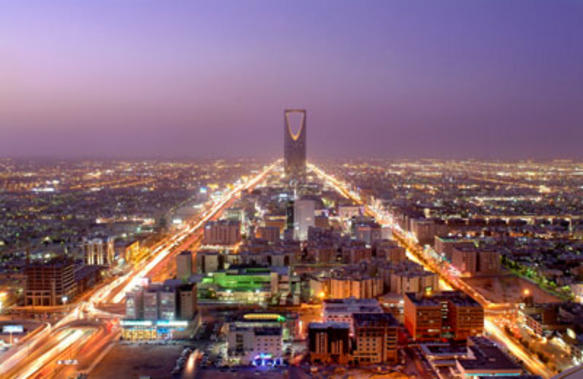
x=12, y=329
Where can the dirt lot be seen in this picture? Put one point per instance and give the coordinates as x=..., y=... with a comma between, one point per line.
x=133, y=361
x=508, y=289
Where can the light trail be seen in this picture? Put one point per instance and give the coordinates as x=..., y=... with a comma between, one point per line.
x=8, y=362
x=79, y=334
x=166, y=250
x=66, y=339
x=533, y=364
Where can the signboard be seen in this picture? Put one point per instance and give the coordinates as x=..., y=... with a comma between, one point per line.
x=172, y=323
x=68, y=362
x=12, y=329
x=136, y=323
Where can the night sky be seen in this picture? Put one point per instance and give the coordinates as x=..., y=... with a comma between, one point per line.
x=402, y=79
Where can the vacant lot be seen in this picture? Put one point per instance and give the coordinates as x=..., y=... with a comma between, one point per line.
x=133, y=361
x=509, y=289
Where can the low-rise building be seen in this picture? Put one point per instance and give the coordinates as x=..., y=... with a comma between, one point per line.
x=448, y=314
x=329, y=342
x=342, y=310
x=222, y=232
x=254, y=344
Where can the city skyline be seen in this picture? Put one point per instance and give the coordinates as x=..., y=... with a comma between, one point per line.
x=448, y=79
x=165, y=216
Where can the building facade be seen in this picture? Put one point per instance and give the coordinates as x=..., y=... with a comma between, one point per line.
x=442, y=315
x=329, y=342
x=376, y=338
x=184, y=265
x=304, y=218
x=51, y=283
x=222, y=232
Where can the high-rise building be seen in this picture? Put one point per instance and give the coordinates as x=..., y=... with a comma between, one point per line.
x=294, y=144
x=304, y=217
x=184, y=265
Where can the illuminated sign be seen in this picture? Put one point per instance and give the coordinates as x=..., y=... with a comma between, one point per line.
x=12, y=329
x=136, y=323
x=68, y=362
x=172, y=323
x=264, y=316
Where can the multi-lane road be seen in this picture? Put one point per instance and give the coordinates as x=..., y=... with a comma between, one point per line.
x=70, y=345
x=496, y=314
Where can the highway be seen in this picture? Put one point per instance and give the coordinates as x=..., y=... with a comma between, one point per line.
x=496, y=314
x=70, y=339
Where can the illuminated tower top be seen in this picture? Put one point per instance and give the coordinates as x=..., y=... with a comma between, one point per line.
x=294, y=144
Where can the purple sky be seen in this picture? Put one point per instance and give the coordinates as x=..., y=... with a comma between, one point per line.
x=488, y=79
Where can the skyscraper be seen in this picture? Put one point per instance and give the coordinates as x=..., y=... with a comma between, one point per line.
x=294, y=144
x=303, y=218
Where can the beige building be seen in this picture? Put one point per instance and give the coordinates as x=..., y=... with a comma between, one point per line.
x=376, y=338
x=222, y=232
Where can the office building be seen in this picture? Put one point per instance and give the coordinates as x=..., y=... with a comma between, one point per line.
x=329, y=342
x=269, y=233
x=257, y=345
x=375, y=337
x=222, y=232
x=135, y=304
x=208, y=261
x=342, y=310
x=473, y=261
x=448, y=314
x=184, y=265
x=294, y=142
x=151, y=303
x=51, y=283
x=304, y=218
x=171, y=300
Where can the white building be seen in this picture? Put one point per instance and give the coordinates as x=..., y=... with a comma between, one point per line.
x=254, y=345
x=98, y=251
x=341, y=310
x=304, y=217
